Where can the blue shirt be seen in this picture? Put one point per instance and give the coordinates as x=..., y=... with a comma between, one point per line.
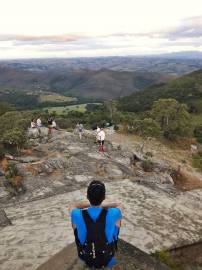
x=111, y=230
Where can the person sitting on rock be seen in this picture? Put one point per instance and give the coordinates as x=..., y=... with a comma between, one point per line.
x=96, y=228
x=33, y=123
x=38, y=122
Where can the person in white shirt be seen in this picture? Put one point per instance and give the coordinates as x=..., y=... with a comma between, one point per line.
x=79, y=129
x=101, y=139
x=54, y=125
x=97, y=132
x=38, y=122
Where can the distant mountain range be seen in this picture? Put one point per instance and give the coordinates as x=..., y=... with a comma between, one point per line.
x=177, y=64
x=94, y=79
x=182, y=55
x=90, y=84
x=186, y=89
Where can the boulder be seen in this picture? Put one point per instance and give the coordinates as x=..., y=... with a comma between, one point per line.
x=35, y=133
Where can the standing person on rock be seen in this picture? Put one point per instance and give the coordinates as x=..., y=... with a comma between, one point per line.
x=101, y=139
x=96, y=227
x=50, y=122
x=79, y=129
x=97, y=132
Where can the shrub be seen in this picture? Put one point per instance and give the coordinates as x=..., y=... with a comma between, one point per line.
x=198, y=133
x=13, y=139
x=13, y=181
x=147, y=128
x=165, y=257
x=2, y=151
x=197, y=160
x=147, y=165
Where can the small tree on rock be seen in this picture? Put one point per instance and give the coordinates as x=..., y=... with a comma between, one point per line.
x=13, y=139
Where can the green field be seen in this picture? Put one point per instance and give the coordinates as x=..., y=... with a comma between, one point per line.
x=65, y=109
x=55, y=98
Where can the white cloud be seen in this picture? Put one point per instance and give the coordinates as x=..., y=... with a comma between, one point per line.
x=65, y=28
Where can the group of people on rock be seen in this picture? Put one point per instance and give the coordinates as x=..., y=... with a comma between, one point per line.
x=37, y=123
x=100, y=133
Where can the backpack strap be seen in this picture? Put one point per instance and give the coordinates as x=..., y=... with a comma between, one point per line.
x=95, y=230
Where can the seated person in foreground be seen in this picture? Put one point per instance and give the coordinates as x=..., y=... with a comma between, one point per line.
x=96, y=228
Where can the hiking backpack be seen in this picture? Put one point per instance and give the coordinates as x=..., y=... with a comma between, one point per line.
x=96, y=251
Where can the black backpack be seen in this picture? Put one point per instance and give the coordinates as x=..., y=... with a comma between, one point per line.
x=96, y=252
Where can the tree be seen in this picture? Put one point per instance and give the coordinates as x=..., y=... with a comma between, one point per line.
x=198, y=133
x=13, y=138
x=4, y=107
x=111, y=107
x=147, y=128
x=173, y=118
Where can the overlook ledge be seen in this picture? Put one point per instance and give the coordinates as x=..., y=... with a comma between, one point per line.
x=129, y=258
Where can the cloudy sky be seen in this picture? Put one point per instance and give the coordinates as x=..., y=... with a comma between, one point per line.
x=71, y=28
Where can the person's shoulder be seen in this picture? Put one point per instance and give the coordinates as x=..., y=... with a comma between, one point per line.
x=76, y=212
x=115, y=212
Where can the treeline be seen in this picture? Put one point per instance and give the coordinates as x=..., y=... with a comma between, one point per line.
x=24, y=101
x=187, y=89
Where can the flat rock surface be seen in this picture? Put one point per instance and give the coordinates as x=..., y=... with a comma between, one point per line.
x=152, y=221
x=156, y=215
x=128, y=258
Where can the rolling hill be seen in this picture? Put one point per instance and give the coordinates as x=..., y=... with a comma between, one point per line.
x=186, y=89
x=89, y=84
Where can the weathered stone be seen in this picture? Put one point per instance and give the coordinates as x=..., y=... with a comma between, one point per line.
x=157, y=216
x=82, y=178
x=33, y=133
x=4, y=220
x=113, y=171
x=3, y=193
x=128, y=258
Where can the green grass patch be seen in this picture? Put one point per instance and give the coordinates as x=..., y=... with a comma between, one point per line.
x=196, y=119
x=56, y=98
x=165, y=257
x=197, y=160
x=66, y=109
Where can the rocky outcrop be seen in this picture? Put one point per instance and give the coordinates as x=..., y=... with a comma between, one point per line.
x=128, y=258
x=37, y=132
x=157, y=215
x=4, y=220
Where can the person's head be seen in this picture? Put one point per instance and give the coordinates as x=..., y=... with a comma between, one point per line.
x=96, y=192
